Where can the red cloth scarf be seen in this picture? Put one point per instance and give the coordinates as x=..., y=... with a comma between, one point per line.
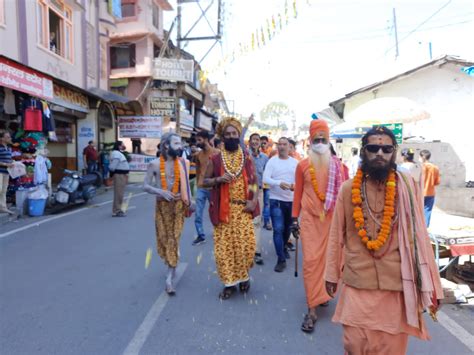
x=219, y=209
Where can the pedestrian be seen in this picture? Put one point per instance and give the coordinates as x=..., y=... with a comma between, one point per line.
x=266, y=190
x=194, y=150
x=105, y=161
x=354, y=162
x=234, y=203
x=267, y=146
x=203, y=193
x=279, y=174
x=260, y=160
x=410, y=166
x=167, y=178
x=91, y=157
x=5, y=163
x=318, y=179
x=431, y=179
x=389, y=274
x=293, y=152
x=119, y=169
x=136, y=145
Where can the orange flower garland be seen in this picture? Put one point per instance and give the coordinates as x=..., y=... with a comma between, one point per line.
x=312, y=173
x=388, y=211
x=164, y=185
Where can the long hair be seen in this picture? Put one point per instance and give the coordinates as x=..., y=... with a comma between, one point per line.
x=117, y=145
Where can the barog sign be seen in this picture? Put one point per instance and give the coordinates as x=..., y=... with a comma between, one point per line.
x=173, y=69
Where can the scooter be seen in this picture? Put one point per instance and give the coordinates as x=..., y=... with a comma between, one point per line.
x=75, y=188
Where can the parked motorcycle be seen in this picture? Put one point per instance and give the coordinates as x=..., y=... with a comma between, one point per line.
x=75, y=188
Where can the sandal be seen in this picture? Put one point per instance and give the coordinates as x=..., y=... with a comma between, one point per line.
x=244, y=286
x=308, y=323
x=170, y=290
x=227, y=292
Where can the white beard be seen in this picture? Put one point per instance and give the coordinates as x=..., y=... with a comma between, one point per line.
x=320, y=161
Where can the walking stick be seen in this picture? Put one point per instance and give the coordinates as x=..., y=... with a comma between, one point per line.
x=296, y=235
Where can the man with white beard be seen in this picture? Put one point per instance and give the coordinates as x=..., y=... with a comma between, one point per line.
x=317, y=182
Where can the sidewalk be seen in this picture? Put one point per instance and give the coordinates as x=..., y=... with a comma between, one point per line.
x=103, y=193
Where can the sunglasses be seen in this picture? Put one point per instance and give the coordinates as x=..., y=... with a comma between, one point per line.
x=319, y=140
x=374, y=148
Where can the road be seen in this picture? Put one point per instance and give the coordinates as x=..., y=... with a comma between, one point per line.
x=76, y=283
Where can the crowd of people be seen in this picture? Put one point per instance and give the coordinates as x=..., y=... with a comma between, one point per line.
x=364, y=236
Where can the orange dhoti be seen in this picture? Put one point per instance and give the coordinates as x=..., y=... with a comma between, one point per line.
x=314, y=239
x=360, y=341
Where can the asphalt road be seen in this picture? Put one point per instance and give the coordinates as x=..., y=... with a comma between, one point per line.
x=76, y=283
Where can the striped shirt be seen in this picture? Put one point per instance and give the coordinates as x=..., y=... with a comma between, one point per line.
x=5, y=157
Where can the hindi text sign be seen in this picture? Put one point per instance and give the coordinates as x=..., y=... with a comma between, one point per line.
x=140, y=126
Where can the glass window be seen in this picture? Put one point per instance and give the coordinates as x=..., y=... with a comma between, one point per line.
x=55, y=27
x=128, y=10
x=122, y=56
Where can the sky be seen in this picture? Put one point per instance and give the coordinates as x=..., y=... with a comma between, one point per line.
x=331, y=48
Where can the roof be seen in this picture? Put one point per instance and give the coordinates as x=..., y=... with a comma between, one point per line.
x=164, y=5
x=435, y=62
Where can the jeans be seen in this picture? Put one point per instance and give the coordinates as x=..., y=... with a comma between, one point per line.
x=91, y=167
x=266, y=206
x=280, y=212
x=429, y=203
x=201, y=196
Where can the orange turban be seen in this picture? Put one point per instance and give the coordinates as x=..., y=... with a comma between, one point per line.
x=318, y=125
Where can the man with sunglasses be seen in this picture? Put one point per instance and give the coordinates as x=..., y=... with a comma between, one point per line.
x=389, y=274
x=317, y=182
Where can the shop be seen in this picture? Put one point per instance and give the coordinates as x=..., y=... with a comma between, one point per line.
x=25, y=111
x=190, y=99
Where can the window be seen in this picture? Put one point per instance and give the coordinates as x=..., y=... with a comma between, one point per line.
x=128, y=8
x=155, y=14
x=122, y=55
x=55, y=27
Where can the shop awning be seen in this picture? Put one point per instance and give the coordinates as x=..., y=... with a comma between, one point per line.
x=108, y=96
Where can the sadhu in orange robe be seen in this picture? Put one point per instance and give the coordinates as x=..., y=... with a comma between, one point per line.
x=315, y=223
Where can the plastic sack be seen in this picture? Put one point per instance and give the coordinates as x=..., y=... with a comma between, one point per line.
x=18, y=169
x=40, y=193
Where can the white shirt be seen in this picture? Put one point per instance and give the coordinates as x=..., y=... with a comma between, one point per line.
x=414, y=169
x=277, y=171
x=354, y=165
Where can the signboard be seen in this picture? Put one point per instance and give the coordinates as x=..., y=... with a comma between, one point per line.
x=186, y=120
x=163, y=106
x=396, y=128
x=140, y=126
x=86, y=132
x=164, y=85
x=205, y=121
x=173, y=69
x=71, y=96
x=20, y=78
x=140, y=162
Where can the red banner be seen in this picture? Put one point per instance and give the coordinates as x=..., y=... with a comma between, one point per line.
x=18, y=77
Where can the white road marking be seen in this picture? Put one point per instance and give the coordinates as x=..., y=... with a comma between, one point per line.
x=455, y=329
x=37, y=224
x=152, y=316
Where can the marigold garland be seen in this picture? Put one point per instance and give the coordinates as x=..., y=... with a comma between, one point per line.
x=164, y=184
x=314, y=181
x=388, y=211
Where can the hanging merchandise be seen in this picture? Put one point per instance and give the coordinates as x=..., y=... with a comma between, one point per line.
x=49, y=125
x=33, y=115
x=41, y=168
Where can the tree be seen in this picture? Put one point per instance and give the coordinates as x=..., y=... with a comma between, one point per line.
x=277, y=114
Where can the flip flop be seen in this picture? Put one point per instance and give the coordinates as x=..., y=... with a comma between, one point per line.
x=244, y=286
x=308, y=323
x=227, y=292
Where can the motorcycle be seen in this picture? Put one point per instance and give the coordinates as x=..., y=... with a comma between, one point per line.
x=75, y=188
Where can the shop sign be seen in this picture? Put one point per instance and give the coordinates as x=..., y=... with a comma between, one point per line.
x=165, y=85
x=205, y=122
x=20, y=78
x=86, y=132
x=173, y=69
x=119, y=83
x=140, y=162
x=163, y=106
x=186, y=119
x=140, y=126
x=71, y=96
x=396, y=128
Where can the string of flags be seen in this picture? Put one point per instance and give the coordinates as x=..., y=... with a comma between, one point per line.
x=260, y=37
